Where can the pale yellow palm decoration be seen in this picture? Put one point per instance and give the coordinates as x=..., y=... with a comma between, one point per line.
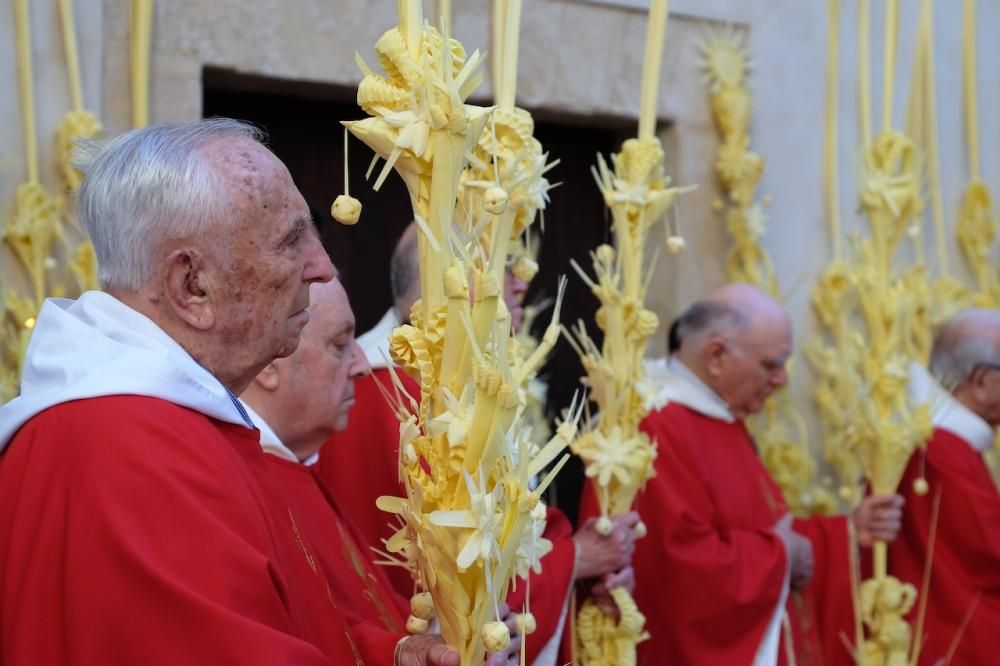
x=36, y=224
x=470, y=519
x=779, y=429
x=618, y=457
x=31, y=233
x=605, y=642
x=877, y=317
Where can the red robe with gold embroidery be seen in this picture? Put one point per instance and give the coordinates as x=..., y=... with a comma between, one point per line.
x=710, y=573
x=966, y=562
x=135, y=531
x=356, y=586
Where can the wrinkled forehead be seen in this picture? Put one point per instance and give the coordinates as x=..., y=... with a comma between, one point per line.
x=245, y=167
x=329, y=307
x=253, y=179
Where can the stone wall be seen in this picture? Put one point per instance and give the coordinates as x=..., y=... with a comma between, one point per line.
x=578, y=57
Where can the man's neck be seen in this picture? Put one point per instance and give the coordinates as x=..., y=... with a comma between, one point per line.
x=697, y=369
x=196, y=344
x=703, y=399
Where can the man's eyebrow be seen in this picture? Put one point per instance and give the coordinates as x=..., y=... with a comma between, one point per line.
x=343, y=329
x=300, y=223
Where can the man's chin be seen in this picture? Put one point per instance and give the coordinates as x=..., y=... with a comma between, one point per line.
x=290, y=345
x=341, y=424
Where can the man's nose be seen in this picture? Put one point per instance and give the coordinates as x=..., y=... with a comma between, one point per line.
x=359, y=363
x=318, y=267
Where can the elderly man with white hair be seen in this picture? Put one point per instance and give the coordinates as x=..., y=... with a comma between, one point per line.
x=136, y=524
x=963, y=613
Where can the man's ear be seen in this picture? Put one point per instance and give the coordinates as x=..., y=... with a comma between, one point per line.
x=189, y=288
x=978, y=385
x=269, y=378
x=712, y=354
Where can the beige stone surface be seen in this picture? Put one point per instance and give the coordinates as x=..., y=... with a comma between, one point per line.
x=580, y=58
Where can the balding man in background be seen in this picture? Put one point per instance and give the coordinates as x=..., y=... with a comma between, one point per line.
x=964, y=393
x=298, y=402
x=714, y=573
x=361, y=460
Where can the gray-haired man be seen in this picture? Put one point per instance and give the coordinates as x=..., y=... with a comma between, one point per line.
x=135, y=523
x=965, y=577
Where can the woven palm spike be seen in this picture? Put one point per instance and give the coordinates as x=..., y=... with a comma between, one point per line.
x=19, y=313
x=618, y=457
x=889, y=195
x=783, y=442
x=75, y=125
x=887, y=424
x=36, y=224
x=504, y=186
x=469, y=520
x=603, y=640
x=975, y=229
x=832, y=296
x=31, y=233
x=83, y=266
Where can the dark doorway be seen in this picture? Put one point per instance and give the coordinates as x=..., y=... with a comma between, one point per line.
x=302, y=123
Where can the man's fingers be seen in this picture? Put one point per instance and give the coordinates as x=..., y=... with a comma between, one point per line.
x=496, y=659
x=624, y=578
x=880, y=502
x=886, y=515
x=887, y=522
x=626, y=520
x=886, y=533
x=442, y=655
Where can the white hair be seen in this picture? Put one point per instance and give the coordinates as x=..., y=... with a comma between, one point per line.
x=149, y=185
x=960, y=347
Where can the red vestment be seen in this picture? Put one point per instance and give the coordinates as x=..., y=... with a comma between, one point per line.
x=966, y=561
x=135, y=531
x=711, y=572
x=549, y=590
x=357, y=587
x=361, y=463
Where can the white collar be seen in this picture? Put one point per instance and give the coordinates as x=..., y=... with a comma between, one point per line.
x=375, y=342
x=674, y=382
x=98, y=346
x=269, y=440
x=948, y=413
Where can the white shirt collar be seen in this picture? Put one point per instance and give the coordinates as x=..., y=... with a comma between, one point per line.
x=98, y=346
x=375, y=342
x=269, y=440
x=948, y=413
x=672, y=381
